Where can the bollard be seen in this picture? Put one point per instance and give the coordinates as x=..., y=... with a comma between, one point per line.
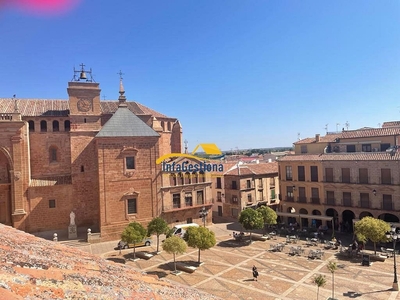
x=89, y=235
x=55, y=238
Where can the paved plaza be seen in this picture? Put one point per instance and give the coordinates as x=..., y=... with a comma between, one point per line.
x=227, y=270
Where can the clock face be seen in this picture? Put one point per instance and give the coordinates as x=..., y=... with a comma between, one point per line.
x=84, y=104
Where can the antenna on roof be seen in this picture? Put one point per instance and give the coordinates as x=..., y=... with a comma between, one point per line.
x=337, y=124
x=298, y=136
x=326, y=128
x=347, y=124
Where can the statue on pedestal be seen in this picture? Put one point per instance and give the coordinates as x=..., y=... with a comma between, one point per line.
x=72, y=219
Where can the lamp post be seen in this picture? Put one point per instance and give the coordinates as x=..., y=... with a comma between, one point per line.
x=394, y=235
x=203, y=215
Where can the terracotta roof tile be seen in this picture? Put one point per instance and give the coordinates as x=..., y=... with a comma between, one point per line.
x=329, y=138
x=354, y=156
x=254, y=169
x=59, y=107
x=33, y=268
x=391, y=124
x=370, y=132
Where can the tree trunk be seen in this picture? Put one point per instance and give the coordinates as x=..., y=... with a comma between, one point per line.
x=134, y=251
x=250, y=236
x=375, y=247
x=199, y=258
x=333, y=286
x=174, y=263
x=158, y=241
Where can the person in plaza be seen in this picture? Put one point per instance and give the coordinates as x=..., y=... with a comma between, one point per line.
x=255, y=273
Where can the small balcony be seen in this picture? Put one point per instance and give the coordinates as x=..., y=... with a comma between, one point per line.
x=302, y=199
x=330, y=201
x=315, y=200
x=347, y=202
x=260, y=186
x=289, y=199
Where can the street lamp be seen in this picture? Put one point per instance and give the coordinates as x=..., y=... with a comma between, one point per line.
x=394, y=235
x=203, y=215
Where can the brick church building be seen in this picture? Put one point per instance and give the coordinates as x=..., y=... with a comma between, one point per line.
x=96, y=158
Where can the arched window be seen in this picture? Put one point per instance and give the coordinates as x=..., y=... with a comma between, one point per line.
x=56, y=126
x=53, y=157
x=82, y=168
x=163, y=125
x=67, y=125
x=169, y=126
x=31, y=126
x=43, y=126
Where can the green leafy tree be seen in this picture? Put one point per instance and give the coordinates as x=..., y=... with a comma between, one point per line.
x=134, y=233
x=174, y=245
x=320, y=281
x=251, y=219
x=268, y=214
x=369, y=228
x=157, y=226
x=201, y=238
x=332, y=267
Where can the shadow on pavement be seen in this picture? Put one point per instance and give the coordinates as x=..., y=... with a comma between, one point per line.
x=234, y=244
x=117, y=260
x=160, y=274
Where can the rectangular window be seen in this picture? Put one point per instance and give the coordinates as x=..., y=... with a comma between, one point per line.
x=234, y=199
x=53, y=154
x=176, y=200
x=387, y=202
x=289, y=175
x=315, y=195
x=386, y=177
x=219, y=196
x=200, y=199
x=52, y=203
x=219, y=185
x=314, y=173
x=248, y=184
x=347, y=199
x=364, y=200
x=273, y=195
x=188, y=199
x=130, y=162
x=351, y=148
x=366, y=148
x=330, y=197
x=302, y=194
x=289, y=193
x=301, y=173
x=249, y=198
x=132, y=209
x=303, y=148
x=346, y=175
x=329, y=174
x=363, y=175
x=234, y=186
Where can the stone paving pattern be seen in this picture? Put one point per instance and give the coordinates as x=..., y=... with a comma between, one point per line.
x=226, y=271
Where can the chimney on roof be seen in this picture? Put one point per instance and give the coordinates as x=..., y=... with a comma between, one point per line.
x=317, y=138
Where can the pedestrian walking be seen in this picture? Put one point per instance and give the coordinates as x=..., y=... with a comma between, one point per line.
x=255, y=273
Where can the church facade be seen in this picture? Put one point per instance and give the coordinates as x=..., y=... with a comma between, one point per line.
x=95, y=158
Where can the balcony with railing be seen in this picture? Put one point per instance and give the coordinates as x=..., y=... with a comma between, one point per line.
x=330, y=201
x=260, y=186
x=289, y=199
x=185, y=205
x=386, y=180
x=302, y=199
x=387, y=206
x=315, y=200
x=347, y=202
x=363, y=180
x=365, y=204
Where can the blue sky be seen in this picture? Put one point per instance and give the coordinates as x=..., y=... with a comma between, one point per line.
x=238, y=73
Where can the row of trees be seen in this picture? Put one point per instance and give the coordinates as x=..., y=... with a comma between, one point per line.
x=197, y=237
